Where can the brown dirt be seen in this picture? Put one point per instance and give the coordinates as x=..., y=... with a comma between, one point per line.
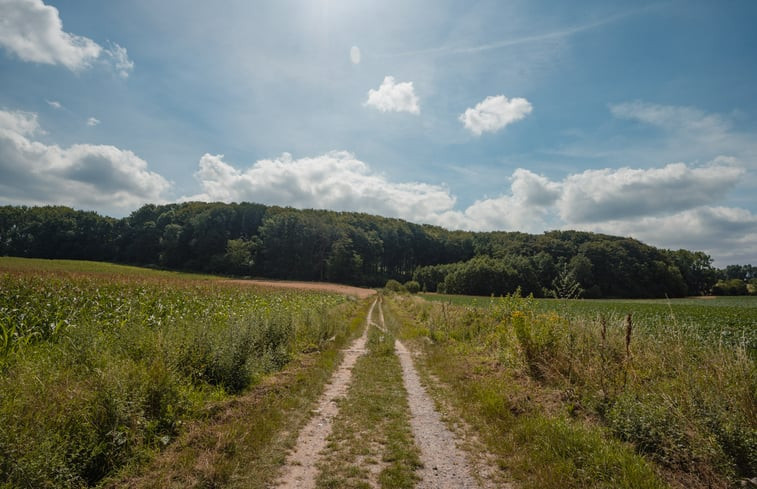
x=445, y=465
x=358, y=292
x=301, y=467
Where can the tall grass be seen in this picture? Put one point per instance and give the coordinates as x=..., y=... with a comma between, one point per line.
x=683, y=401
x=98, y=370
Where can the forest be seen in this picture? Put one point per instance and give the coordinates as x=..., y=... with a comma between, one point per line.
x=248, y=239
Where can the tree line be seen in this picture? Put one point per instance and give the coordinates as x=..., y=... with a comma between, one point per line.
x=247, y=239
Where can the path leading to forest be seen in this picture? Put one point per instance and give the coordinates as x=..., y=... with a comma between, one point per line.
x=444, y=464
x=300, y=469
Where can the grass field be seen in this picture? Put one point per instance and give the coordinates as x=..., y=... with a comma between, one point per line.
x=101, y=366
x=732, y=320
x=561, y=387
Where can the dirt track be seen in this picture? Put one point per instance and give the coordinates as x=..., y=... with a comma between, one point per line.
x=300, y=470
x=445, y=465
x=358, y=292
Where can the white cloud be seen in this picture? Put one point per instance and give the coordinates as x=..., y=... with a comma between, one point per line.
x=335, y=180
x=54, y=104
x=22, y=123
x=599, y=195
x=120, y=59
x=671, y=117
x=92, y=121
x=689, y=133
x=88, y=176
x=494, y=113
x=526, y=208
x=34, y=32
x=394, y=97
x=534, y=190
x=726, y=233
x=355, y=55
x=339, y=181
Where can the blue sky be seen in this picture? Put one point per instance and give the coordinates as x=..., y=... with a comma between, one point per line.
x=629, y=118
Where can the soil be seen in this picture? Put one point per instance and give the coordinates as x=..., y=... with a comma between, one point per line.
x=358, y=292
x=444, y=464
x=300, y=469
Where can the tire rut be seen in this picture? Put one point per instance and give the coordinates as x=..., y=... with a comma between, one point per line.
x=444, y=464
x=300, y=469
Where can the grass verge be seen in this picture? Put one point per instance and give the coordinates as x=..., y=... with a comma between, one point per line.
x=524, y=425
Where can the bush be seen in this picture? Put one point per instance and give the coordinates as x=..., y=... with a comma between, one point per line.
x=394, y=286
x=412, y=286
x=730, y=287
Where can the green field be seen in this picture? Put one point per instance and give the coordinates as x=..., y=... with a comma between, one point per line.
x=102, y=365
x=732, y=320
x=127, y=377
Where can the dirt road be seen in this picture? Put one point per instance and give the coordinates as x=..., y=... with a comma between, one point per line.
x=444, y=464
x=300, y=470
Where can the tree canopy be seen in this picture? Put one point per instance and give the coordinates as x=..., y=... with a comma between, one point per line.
x=250, y=239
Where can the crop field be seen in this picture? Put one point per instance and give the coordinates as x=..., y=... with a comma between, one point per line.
x=731, y=320
x=101, y=365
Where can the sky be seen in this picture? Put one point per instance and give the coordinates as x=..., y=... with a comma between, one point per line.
x=628, y=118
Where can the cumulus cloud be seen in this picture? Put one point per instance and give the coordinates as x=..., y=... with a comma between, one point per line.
x=728, y=234
x=335, y=180
x=671, y=206
x=534, y=190
x=394, y=97
x=599, y=195
x=89, y=176
x=355, y=55
x=18, y=122
x=34, y=32
x=494, y=113
x=92, y=121
x=339, y=181
x=526, y=208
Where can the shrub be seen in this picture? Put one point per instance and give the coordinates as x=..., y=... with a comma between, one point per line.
x=394, y=286
x=412, y=286
x=730, y=287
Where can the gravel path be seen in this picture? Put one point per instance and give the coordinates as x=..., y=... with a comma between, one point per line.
x=300, y=469
x=444, y=464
